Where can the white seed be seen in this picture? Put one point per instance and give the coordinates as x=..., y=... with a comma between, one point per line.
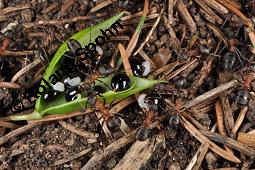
x=141, y=102
x=147, y=68
x=74, y=81
x=59, y=86
x=99, y=50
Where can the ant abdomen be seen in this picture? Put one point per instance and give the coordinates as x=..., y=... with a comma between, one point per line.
x=113, y=122
x=71, y=94
x=143, y=133
x=228, y=61
x=242, y=98
x=181, y=83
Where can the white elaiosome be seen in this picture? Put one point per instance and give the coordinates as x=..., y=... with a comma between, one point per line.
x=72, y=82
x=59, y=86
x=147, y=68
x=141, y=101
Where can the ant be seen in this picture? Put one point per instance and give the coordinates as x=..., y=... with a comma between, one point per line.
x=112, y=121
x=152, y=103
x=144, y=131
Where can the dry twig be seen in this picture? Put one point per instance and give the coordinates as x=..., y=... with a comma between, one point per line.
x=78, y=131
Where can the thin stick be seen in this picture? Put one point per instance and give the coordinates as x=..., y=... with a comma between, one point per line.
x=199, y=136
x=150, y=33
x=59, y=117
x=78, y=131
x=18, y=53
x=200, y=154
x=10, y=85
x=25, y=69
x=13, y=9
x=132, y=43
x=62, y=21
x=125, y=60
x=110, y=149
x=186, y=15
x=217, y=6
x=170, y=11
x=17, y=132
x=8, y=125
x=239, y=120
x=121, y=105
x=230, y=142
x=102, y=5
x=214, y=92
x=220, y=122
x=72, y=157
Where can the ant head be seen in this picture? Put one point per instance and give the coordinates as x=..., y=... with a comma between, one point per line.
x=181, y=83
x=73, y=45
x=113, y=122
x=174, y=119
x=242, y=97
x=143, y=133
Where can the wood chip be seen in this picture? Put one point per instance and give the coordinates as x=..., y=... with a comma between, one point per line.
x=186, y=15
x=98, y=158
x=247, y=139
x=217, y=6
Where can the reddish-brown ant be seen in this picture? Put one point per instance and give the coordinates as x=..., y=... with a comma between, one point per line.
x=144, y=131
x=112, y=121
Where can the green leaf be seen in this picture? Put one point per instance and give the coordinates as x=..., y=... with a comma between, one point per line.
x=60, y=106
x=83, y=37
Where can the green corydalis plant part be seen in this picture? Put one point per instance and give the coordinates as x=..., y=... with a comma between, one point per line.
x=84, y=37
x=60, y=106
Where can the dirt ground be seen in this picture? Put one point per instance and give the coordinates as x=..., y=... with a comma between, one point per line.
x=195, y=47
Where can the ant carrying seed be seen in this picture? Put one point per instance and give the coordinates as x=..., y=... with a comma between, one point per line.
x=153, y=103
